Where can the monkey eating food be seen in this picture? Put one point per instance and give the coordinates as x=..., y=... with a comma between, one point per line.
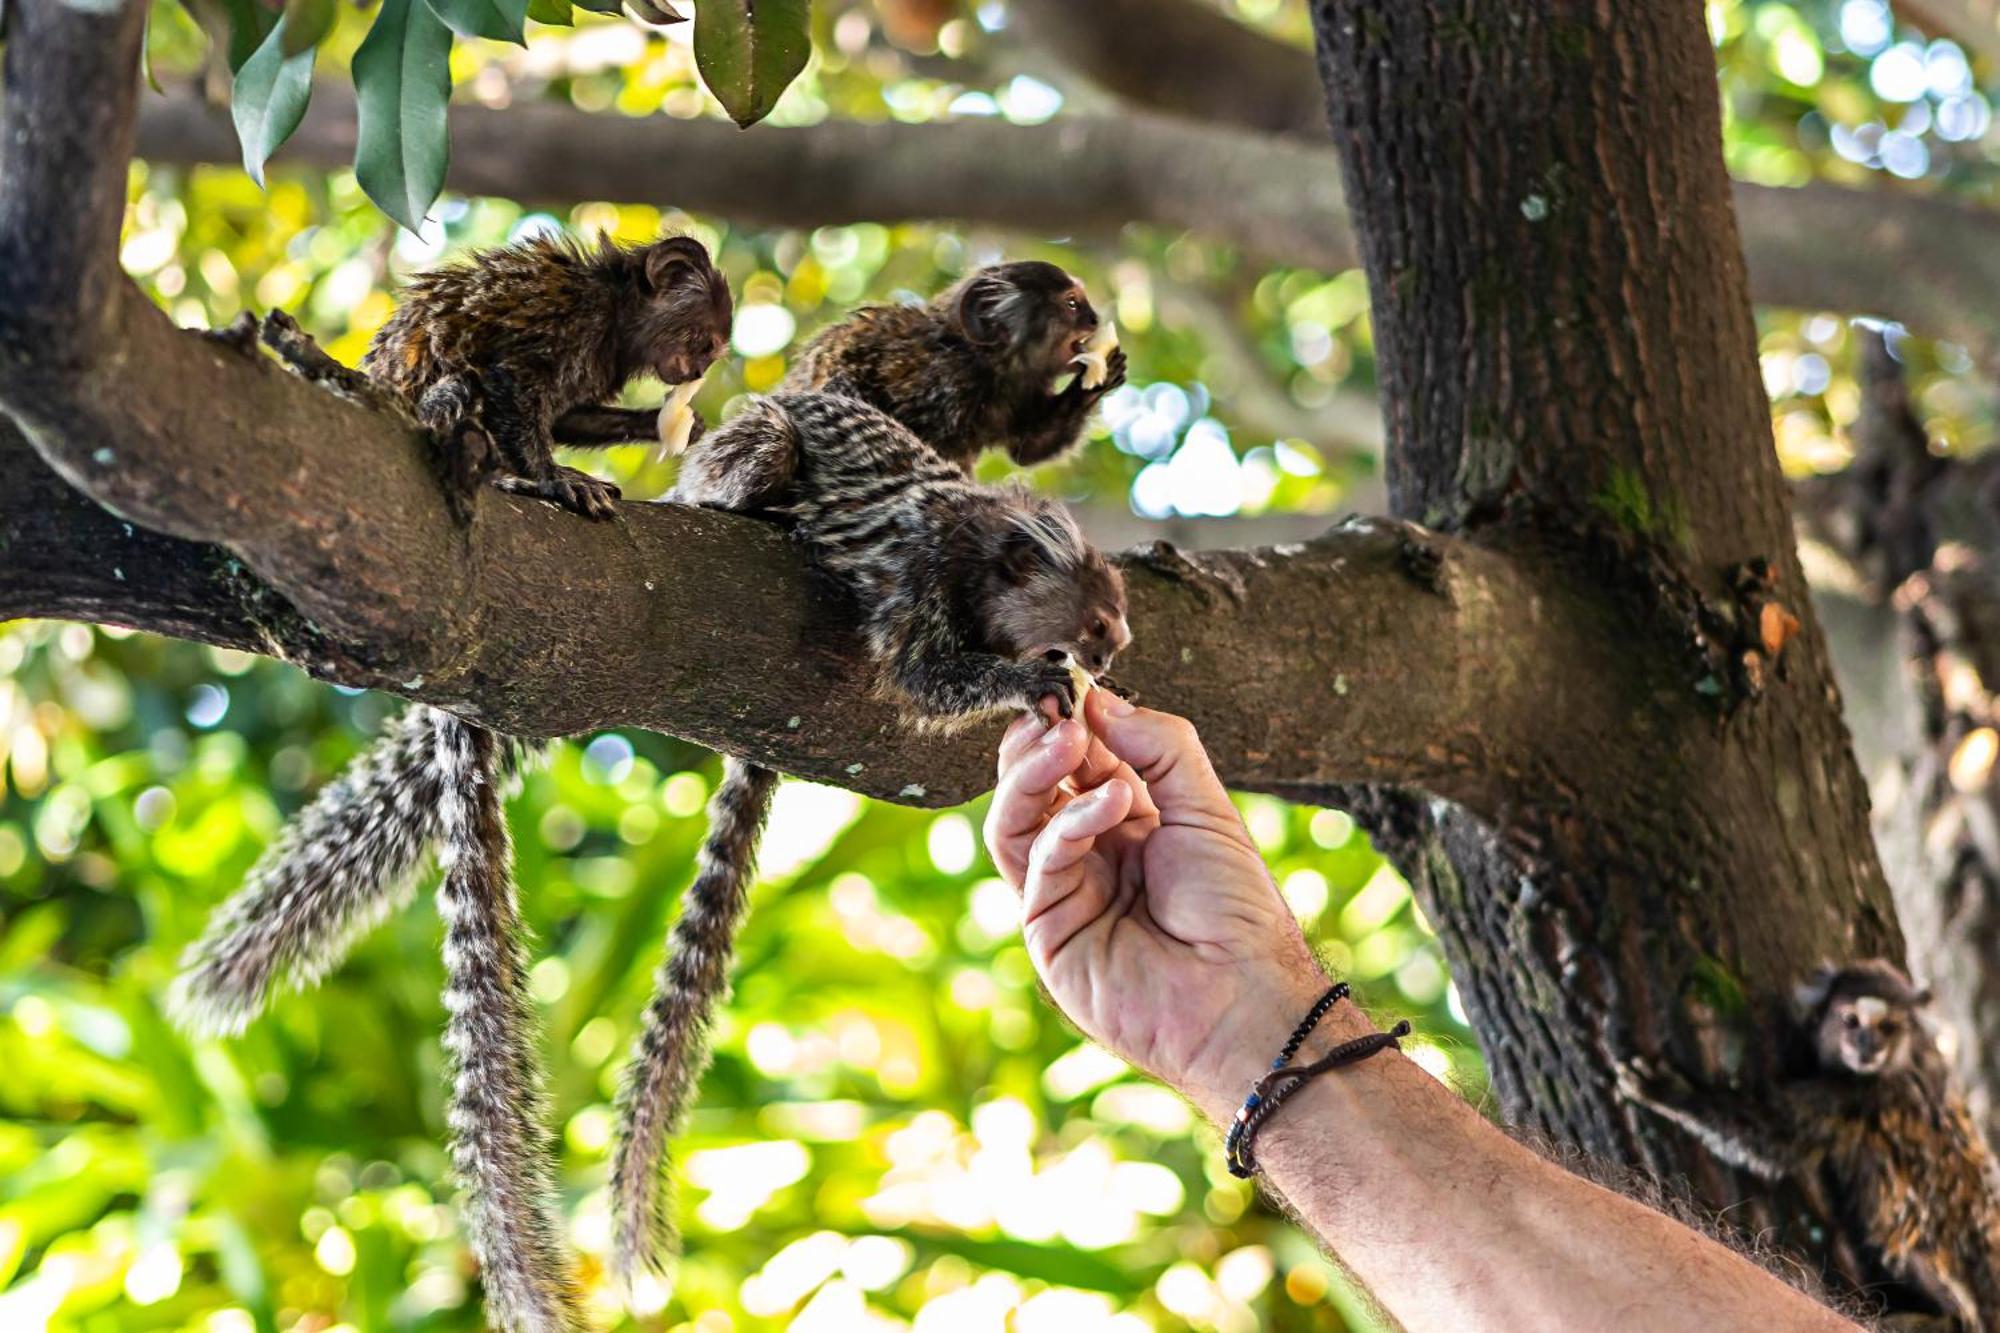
x=973, y=369
x=975, y=599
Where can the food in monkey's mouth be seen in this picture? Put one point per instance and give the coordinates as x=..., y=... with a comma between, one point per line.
x=1093, y=362
x=1081, y=678
x=677, y=420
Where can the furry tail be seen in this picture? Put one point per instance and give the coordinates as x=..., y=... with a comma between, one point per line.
x=342, y=865
x=672, y=1050
x=498, y=1111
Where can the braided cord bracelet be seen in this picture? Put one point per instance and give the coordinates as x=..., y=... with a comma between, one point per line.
x=1270, y=1092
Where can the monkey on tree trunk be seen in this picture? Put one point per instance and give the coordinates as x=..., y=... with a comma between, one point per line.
x=1866, y=1125
x=489, y=354
x=343, y=864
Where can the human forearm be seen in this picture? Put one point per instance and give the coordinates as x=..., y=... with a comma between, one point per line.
x=1447, y=1221
x=1201, y=976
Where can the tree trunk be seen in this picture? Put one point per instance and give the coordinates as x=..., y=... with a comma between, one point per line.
x=1569, y=373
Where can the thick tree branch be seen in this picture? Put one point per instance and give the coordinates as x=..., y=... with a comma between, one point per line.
x=1925, y=262
x=649, y=621
x=537, y=623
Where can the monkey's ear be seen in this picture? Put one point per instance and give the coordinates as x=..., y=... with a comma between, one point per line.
x=674, y=260
x=1021, y=555
x=1033, y=540
x=980, y=306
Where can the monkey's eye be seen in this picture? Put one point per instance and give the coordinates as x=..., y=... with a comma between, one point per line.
x=1850, y=1020
x=1888, y=1029
x=1098, y=629
x=1073, y=303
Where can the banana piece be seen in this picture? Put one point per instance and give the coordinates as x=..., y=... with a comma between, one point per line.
x=676, y=421
x=1082, y=679
x=1095, y=357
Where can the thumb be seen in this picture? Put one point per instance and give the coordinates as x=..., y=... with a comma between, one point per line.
x=1166, y=753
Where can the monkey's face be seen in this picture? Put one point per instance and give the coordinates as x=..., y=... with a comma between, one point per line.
x=683, y=322
x=1865, y=1035
x=1034, y=314
x=1053, y=595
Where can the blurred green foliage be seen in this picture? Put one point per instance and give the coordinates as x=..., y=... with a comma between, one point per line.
x=897, y=1130
x=894, y=1117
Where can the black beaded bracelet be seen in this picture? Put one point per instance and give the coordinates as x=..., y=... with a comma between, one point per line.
x=1270, y=1092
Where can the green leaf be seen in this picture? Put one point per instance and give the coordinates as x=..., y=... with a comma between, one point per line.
x=750, y=50
x=554, y=12
x=269, y=98
x=306, y=24
x=249, y=24
x=500, y=20
x=402, y=80
x=659, y=12
x=600, y=6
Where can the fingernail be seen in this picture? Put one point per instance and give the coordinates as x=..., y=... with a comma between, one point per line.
x=1118, y=707
x=1056, y=734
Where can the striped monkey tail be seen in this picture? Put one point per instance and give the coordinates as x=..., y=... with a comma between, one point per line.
x=342, y=865
x=498, y=1110
x=672, y=1050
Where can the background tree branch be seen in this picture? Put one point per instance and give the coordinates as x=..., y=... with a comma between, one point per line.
x=1926, y=262
x=1184, y=58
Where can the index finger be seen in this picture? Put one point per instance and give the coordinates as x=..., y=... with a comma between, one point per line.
x=1032, y=768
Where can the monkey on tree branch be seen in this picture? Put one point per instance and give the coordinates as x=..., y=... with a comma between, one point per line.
x=976, y=600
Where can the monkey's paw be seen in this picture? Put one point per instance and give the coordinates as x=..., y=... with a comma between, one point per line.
x=1049, y=680
x=1645, y=1083
x=576, y=491
x=1114, y=373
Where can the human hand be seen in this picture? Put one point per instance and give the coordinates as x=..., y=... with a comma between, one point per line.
x=1145, y=905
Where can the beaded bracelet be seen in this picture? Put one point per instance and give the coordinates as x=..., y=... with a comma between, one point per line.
x=1270, y=1092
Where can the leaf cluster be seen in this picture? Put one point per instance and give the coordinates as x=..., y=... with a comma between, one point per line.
x=748, y=52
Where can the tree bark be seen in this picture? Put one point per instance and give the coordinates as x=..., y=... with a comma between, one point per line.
x=1568, y=366
x=1926, y=262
